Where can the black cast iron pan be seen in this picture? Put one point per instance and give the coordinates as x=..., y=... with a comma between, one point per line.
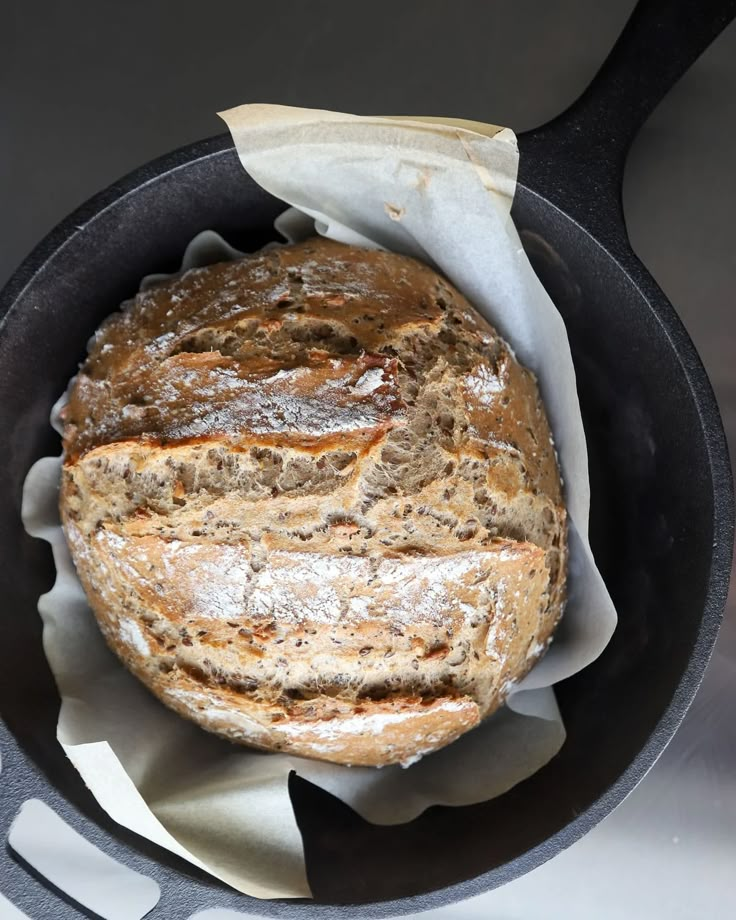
x=662, y=503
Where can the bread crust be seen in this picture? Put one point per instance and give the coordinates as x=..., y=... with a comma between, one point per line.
x=314, y=502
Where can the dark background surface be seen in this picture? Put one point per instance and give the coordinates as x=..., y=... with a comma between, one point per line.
x=90, y=90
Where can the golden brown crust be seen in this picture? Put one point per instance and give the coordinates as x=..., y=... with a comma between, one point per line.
x=315, y=504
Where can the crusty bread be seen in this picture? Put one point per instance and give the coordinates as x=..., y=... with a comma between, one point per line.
x=314, y=502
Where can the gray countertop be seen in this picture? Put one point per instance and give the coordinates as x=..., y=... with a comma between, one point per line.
x=90, y=90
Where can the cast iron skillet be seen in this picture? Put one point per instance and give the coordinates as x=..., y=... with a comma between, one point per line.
x=662, y=503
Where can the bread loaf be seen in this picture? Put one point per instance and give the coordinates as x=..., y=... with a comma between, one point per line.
x=314, y=503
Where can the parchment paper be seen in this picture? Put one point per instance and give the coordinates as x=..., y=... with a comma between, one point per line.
x=441, y=191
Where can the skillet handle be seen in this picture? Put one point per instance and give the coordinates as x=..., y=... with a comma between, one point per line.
x=577, y=159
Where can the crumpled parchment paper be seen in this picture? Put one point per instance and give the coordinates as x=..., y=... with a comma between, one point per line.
x=440, y=190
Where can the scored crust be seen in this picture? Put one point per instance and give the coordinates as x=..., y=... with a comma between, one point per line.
x=314, y=502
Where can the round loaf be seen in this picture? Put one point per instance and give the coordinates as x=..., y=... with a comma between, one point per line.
x=314, y=503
